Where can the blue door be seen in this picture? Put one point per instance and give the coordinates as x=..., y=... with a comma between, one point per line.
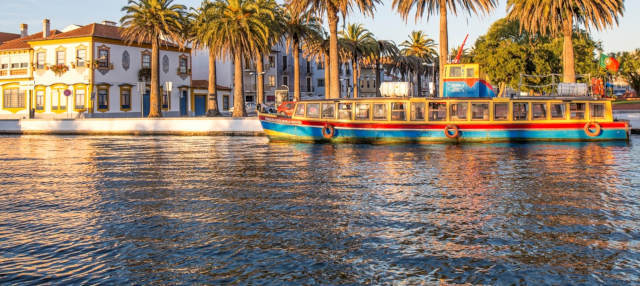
x=145, y=104
x=183, y=103
x=200, y=105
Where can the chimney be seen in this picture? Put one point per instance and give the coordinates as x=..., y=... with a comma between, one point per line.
x=24, y=30
x=45, y=28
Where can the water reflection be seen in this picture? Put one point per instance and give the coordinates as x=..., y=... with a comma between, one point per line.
x=167, y=210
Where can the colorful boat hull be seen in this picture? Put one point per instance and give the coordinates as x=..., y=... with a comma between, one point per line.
x=282, y=128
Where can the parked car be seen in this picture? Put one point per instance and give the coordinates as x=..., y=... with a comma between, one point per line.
x=286, y=108
x=249, y=107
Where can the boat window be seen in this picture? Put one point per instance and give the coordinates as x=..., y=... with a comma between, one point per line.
x=459, y=111
x=313, y=110
x=577, y=110
x=300, y=109
x=480, y=111
x=328, y=110
x=520, y=110
x=344, y=111
x=500, y=111
x=362, y=111
x=455, y=72
x=471, y=72
x=397, y=111
x=437, y=111
x=557, y=110
x=596, y=110
x=538, y=111
x=417, y=111
x=380, y=111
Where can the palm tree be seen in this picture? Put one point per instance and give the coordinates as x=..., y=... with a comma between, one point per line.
x=431, y=7
x=202, y=36
x=275, y=26
x=317, y=49
x=297, y=28
x=359, y=42
x=241, y=29
x=423, y=48
x=147, y=21
x=558, y=17
x=331, y=8
x=382, y=49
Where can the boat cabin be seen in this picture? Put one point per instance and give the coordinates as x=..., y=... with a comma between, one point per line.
x=466, y=80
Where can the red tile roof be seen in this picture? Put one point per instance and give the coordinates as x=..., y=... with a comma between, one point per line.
x=204, y=84
x=7, y=37
x=21, y=43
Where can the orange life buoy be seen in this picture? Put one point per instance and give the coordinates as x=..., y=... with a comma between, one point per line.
x=455, y=134
x=328, y=131
x=594, y=133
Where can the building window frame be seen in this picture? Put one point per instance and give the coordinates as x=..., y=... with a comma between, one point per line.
x=9, y=102
x=76, y=89
x=40, y=98
x=165, y=99
x=102, y=98
x=61, y=56
x=103, y=63
x=125, y=97
x=183, y=65
x=145, y=59
x=41, y=59
x=61, y=101
x=81, y=61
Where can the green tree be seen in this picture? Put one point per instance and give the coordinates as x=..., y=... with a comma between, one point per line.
x=331, y=8
x=382, y=49
x=630, y=68
x=275, y=24
x=202, y=36
x=298, y=28
x=441, y=7
x=359, y=42
x=423, y=48
x=558, y=17
x=149, y=21
x=317, y=49
x=241, y=30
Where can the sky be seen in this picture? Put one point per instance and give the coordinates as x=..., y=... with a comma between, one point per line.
x=386, y=24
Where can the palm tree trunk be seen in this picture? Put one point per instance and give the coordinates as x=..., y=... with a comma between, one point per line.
x=327, y=94
x=444, y=43
x=354, y=69
x=154, y=98
x=332, y=15
x=212, y=108
x=238, y=93
x=259, y=78
x=378, y=76
x=568, y=64
x=296, y=71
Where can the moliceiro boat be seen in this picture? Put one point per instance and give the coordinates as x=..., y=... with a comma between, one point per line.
x=468, y=113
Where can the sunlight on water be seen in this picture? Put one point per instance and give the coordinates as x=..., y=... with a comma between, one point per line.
x=167, y=210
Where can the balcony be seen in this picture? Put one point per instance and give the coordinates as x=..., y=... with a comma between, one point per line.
x=19, y=72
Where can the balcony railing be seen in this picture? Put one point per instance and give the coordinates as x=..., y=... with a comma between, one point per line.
x=14, y=72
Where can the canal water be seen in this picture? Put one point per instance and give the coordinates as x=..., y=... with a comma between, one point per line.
x=241, y=210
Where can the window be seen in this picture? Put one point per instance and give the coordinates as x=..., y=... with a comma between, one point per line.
x=166, y=98
x=361, y=84
x=284, y=63
x=79, y=97
x=272, y=80
x=596, y=110
x=40, y=60
x=146, y=60
x=184, y=64
x=362, y=111
x=308, y=67
x=500, y=111
x=285, y=80
x=344, y=111
x=380, y=111
x=63, y=99
x=272, y=62
x=81, y=57
x=458, y=111
x=300, y=109
x=480, y=111
x=320, y=65
x=103, y=57
x=15, y=65
x=320, y=82
x=40, y=100
x=225, y=102
x=328, y=110
x=13, y=98
x=313, y=110
x=520, y=110
x=417, y=111
x=538, y=111
x=437, y=111
x=455, y=72
x=103, y=97
x=397, y=111
x=577, y=110
x=558, y=110
x=55, y=99
x=471, y=72
x=60, y=57
x=125, y=97
x=368, y=84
